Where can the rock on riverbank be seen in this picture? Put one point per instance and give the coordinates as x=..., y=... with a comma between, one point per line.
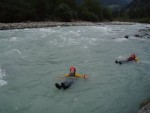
x=5, y=26
x=145, y=109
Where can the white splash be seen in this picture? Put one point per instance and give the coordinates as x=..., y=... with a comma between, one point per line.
x=121, y=39
x=122, y=57
x=47, y=30
x=13, y=39
x=85, y=47
x=72, y=33
x=17, y=51
x=106, y=29
x=143, y=38
x=2, y=75
x=75, y=99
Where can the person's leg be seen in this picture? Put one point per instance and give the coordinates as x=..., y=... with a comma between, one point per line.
x=58, y=86
x=67, y=84
x=63, y=85
x=116, y=61
x=123, y=61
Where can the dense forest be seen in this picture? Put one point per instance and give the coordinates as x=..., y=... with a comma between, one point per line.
x=54, y=10
x=71, y=10
x=110, y=2
x=137, y=10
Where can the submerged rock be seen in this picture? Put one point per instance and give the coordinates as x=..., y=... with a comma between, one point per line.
x=137, y=35
x=126, y=36
x=143, y=33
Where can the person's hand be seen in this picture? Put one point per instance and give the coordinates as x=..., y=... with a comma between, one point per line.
x=85, y=76
x=137, y=59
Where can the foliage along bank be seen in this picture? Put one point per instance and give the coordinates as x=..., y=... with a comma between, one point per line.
x=54, y=10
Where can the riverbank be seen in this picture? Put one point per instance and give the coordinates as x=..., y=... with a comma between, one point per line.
x=23, y=25
x=145, y=106
x=145, y=109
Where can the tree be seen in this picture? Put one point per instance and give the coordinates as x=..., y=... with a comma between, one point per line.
x=42, y=8
x=90, y=10
x=107, y=14
x=63, y=13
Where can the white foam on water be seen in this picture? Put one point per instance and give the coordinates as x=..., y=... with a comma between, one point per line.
x=72, y=41
x=18, y=51
x=64, y=39
x=121, y=57
x=93, y=39
x=85, y=47
x=47, y=30
x=133, y=37
x=68, y=40
x=72, y=33
x=14, y=39
x=105, y=29
x=74, y=38
x=43, y=36
x=75, y=99
x=82, y=30
x=108, y=31
x=13, y=54
x=121, y=39
x=79, y=31
x=2, y=75
x=117, y=29
x=26, y=29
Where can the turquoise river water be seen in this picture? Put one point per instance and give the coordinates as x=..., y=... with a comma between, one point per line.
x=31, y=60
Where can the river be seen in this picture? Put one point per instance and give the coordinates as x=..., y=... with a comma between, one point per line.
x=31, y=60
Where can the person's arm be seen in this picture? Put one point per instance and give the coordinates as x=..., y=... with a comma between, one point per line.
x=81, y=76
x=66, y=75
x=137, y=59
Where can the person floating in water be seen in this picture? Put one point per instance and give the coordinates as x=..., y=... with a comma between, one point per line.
x=70, y=78
x=133, y=57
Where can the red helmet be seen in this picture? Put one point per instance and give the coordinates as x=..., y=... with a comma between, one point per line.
x=72, y=67
x=133, y=55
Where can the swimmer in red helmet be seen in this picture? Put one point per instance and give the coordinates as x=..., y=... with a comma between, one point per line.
x=132, y=58
x=70, y=78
